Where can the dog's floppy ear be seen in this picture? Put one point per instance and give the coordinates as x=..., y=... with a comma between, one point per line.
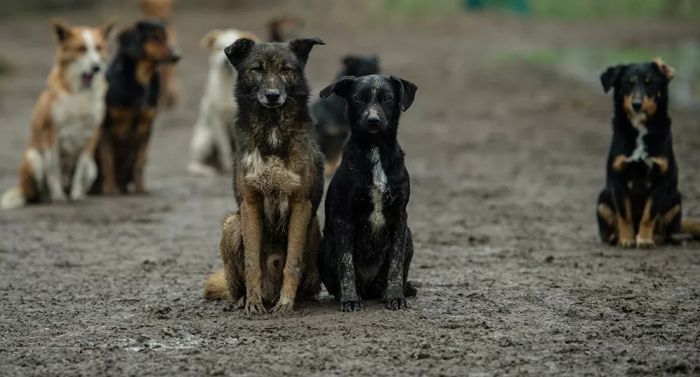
x=407, y=92
x=61, y=29
x=341, y=88
x=129, y=42
x=208, y=41
x=609, y=77
x=302, y=47
x=664, y=68
x=238, y=51
x=107, y=28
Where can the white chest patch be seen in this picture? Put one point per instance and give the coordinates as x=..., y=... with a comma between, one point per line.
x=640, y=151
x=376, y=192
x=270, y=176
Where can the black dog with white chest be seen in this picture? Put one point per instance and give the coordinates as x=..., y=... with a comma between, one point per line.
x=368, y=246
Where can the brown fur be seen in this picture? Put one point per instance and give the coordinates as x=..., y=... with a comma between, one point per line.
x=170, y=88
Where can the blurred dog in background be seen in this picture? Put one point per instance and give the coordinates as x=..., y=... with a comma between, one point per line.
x=284, y=28
x=66, y=120
x=162, y=10
x=212, y=142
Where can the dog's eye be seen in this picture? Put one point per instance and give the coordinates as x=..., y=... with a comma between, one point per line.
x=359, y=98
x=286, y=69
x=99, y=47
x=647, y=80
x=386, y=98
x=631, y=80
x=82, y=49
x=256, y=68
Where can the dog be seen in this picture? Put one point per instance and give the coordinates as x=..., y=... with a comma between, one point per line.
x=640, y=204
x=332, y=127
x=367, y=244
x=283, y=28
x=58, y=162
x=212, y=142
x=132, y=105
x=162, y=10
x=277, y=182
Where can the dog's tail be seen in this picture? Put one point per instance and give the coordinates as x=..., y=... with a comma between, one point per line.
x=691, y=228
x=215, y=287
x=13, y=198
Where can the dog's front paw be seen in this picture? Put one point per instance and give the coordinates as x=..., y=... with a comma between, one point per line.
x=626, y=243
x=645, y=243
x=396, y=303
x=284, y=306
x=109, y=190
x=140, y=188
x=351, y=306
x=254, y=305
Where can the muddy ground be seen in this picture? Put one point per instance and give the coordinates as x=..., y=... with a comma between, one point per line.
x=506, y=161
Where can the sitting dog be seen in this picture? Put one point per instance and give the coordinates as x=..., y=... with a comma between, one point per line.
x=66, y=121
x=368, y=246
x=132, y=101
x=283, y=28
x=332, y=128
x=640, y=204
x=169, y=85
x=212, y=142
x=277, y=182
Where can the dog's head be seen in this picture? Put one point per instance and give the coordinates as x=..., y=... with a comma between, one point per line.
x=374, y=102
x=640, y=88
x=216, y=40
x=271, y=72
x=359, y=66
x=148, y=40
x=156, y=8
x=284, y=28
x=83, y=50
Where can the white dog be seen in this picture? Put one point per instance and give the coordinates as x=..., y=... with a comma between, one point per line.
x=212, y=142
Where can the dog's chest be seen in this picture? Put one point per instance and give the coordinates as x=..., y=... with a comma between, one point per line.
x=640, y=152
x=269, y=175
x=378, y=190
x=76, y=116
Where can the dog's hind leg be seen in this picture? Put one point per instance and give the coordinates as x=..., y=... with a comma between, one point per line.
x=607, y=218
x=669, y=221
x=232, y=256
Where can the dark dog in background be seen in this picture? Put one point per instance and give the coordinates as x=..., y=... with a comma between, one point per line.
x=332, y=127
x=640, y=205
x=284, y=28
x=367, y=245
x=277, y=182
x=132, y=103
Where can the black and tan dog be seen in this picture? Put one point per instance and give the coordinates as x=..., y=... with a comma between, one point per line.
x=132, y=103
x=641, y=204
x=277, y=182
x=368, y=245
x=332, y=127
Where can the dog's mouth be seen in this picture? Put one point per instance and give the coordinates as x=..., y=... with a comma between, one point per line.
x=272, y=104
x=86, y=79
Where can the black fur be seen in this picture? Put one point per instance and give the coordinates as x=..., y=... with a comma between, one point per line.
x=359, y=261
x=640, y=88
x=332, y=127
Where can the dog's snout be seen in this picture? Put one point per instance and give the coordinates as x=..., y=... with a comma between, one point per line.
x=373, y=119
x=637, y=104
x=272, y=95
x=96, y=68
x=175, y=54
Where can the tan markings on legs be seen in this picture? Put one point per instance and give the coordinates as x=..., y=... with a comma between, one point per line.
x=625, y=227
x=104, y=148
x=619, y=163
x=662, y=162
x=608, y=216
x=232, y=256
x=662, y=223
x=143, y=136
x=299, y=217
x=251, y=218
x=645, y=238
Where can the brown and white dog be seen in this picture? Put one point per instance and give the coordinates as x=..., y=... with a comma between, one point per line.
x=66, y=121
x=212, y=142
x=169, y=85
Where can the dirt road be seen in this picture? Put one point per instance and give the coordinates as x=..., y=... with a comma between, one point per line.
x=506, y=162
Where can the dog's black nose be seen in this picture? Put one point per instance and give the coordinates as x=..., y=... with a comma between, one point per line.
x=96, y=68
x=373, y=120
x=272, y=95
x=637, y=105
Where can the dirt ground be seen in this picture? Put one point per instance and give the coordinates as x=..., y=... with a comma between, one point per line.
x=506, y=162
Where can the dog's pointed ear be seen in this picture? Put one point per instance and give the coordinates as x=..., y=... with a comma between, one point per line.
x=349, y=61
x=107, y=28
x=341, y=87
x=208, y=41
x=610, y=76
x=664, y=68
x=239, y=50
x=61, y=29
x=129, y=42
x=407, y=92
x=302, y=47
x=375, y=60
